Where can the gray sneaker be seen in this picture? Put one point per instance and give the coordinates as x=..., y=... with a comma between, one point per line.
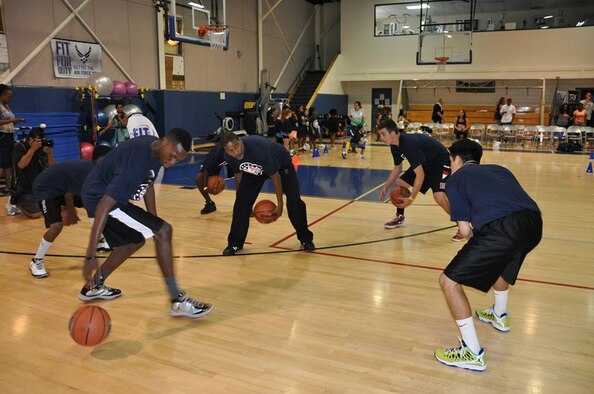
x=189, y=307
x=12, y=210
x=98, y=293
x=37, y=268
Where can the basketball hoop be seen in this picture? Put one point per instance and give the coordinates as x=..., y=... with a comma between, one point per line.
x=441, y=63
x=217, y=36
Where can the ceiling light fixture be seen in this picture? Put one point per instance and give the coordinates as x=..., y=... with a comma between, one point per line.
x=191, y=3
x=547, y=17
x=418, y=6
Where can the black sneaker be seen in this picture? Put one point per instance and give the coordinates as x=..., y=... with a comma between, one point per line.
x=308, y=246
x=209, y=207
x=230, y=250
x=101, y=292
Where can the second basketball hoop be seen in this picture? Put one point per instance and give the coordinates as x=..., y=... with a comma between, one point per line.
x=441, y=63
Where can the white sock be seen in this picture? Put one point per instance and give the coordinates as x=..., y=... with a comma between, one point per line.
x=468, y=333
x=42, y=249
x=500, y=306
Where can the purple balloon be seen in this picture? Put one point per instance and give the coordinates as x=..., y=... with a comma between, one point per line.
x=131, y=88
x=119, y=89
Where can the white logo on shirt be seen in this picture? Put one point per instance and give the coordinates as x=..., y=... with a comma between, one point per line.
x=143, y=187
x=251, y=168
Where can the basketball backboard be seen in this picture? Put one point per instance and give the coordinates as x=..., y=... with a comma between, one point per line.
x=445, y=30
x=187, y=20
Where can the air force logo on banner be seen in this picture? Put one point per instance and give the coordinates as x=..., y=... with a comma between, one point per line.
x=84, y=57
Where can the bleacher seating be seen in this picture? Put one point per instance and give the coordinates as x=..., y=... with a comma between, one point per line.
x=476, y=114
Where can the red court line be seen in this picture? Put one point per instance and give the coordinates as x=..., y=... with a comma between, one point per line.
x=274, y=245
x=542, y=282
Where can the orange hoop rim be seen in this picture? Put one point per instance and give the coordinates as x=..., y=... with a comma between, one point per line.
x=216, y=28
x=442, y=59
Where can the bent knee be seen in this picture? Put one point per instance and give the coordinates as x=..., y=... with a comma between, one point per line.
x=165, y=232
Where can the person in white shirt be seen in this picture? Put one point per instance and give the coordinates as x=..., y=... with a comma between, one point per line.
x=357, y=115
x=588, y=106
x=508, y=111
x=138, y=125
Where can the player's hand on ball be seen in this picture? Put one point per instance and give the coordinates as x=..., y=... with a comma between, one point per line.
x=383, y=193
x=404, y=202
x=278, y=212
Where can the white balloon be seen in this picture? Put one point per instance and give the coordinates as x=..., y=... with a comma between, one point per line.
x=103, y=83
x=132, y=109
x=110, y=111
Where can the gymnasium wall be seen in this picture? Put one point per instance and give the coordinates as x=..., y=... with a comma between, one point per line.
x=330, y=33
x=129, y=30
x=496, y=55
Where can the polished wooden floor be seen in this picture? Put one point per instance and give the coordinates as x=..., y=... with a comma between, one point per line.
x=362, y=314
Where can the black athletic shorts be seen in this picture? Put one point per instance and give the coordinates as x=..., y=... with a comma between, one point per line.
x=6, y=145
x=436, y=175
x=130, y=225
x=52, y=209
x=497, y=249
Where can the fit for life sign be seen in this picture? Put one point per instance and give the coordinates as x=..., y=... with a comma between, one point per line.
x=75, y=59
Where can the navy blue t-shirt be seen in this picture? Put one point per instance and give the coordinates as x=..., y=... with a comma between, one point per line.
x=61, y=178
x=214, y=160
x=480, y=194
x=124, y=174
x=418, y=149
x=262, y=157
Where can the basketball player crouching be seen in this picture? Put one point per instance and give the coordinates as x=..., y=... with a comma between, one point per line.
x=506, y=226
x=128, y=173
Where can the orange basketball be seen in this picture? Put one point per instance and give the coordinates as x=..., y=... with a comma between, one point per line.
x=89, y=325
x=215, y=184
x=397, y=193
x=262, y=211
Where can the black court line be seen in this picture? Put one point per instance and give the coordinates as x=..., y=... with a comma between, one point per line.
x=200, y=256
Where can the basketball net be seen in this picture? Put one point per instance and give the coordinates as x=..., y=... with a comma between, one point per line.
x=217, y=36
x=441, y=63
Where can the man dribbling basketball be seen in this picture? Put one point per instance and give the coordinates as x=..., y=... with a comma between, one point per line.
x=255, y=159
x=128, y=173
x=429, y=168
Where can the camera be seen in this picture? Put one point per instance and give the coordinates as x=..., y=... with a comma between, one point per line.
x=46, y=143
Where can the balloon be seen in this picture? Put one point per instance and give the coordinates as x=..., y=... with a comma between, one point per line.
x=86, y=151
x=119, y=89
x=110, y=111
x=103, y=83
x=131, y=88
x=102, y=119
x=132, y=109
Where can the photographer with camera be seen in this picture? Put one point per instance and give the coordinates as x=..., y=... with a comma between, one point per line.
x=31, y=157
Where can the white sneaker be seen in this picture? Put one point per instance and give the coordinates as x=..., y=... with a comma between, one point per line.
x=12, y=210
x=188, y=307
x=103, y=246
x=37, y=268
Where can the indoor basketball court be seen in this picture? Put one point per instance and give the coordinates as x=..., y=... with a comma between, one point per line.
x=364, y=311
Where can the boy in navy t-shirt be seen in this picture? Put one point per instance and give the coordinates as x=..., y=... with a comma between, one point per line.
x=429, y=168
x=127, y=173
x=60, y=185
x=506, y=226
x=256, y=159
